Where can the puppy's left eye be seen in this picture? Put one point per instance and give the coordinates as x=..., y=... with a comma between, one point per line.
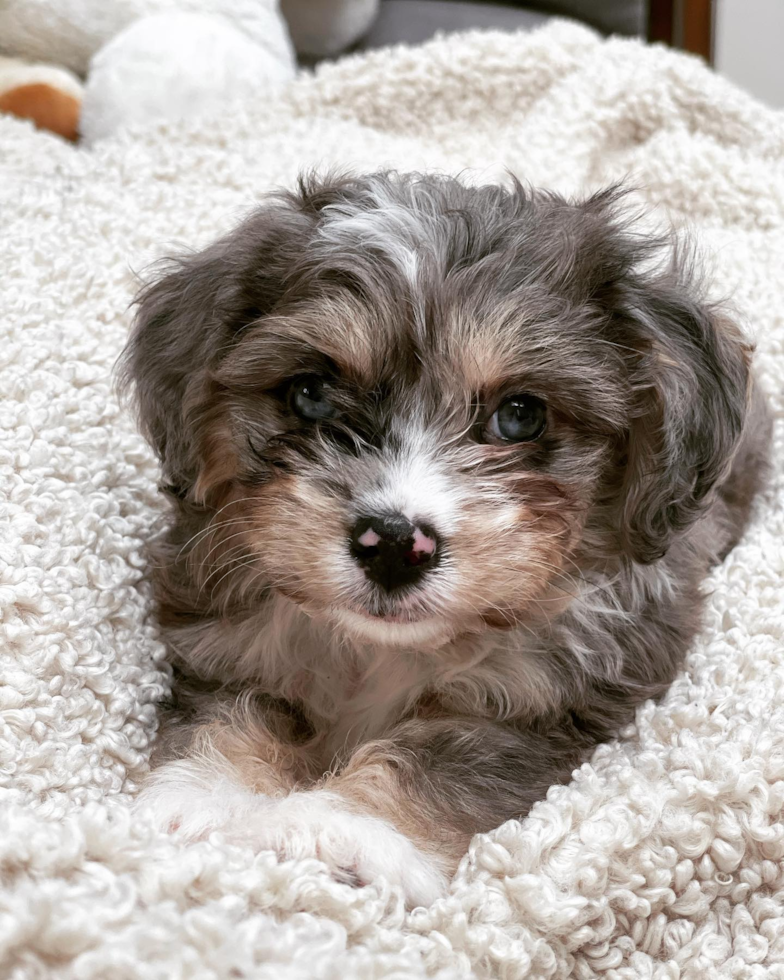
x=309, y=398
x=521, y=418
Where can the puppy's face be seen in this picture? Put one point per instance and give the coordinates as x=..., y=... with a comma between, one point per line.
x=410, y=402
x=416, y=458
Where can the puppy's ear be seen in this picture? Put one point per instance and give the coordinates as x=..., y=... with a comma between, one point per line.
x=189, y=318
x=691, y=386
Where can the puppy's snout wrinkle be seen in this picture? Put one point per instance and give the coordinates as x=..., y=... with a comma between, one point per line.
x=393, y=551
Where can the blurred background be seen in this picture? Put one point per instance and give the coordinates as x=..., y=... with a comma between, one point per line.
x=742, y=39
x=87, y=68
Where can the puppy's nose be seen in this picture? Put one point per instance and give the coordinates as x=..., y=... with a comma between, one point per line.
x=393, y=551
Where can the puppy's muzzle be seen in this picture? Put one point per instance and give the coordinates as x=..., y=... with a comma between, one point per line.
x=393, y=551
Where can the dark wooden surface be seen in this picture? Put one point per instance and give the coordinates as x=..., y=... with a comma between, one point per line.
x=697, y=28
x=661, y=20
x=687, y=24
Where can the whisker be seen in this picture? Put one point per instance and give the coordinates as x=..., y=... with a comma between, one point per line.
x=229, y=537
x=246, y=564
x=211, y=528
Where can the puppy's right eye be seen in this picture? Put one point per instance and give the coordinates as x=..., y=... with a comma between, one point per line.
x=309, y=398
x=521, y=418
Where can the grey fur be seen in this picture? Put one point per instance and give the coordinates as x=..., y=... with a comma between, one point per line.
x=656, y=448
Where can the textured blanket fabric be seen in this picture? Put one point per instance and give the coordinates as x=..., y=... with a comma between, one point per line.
x=664, y=857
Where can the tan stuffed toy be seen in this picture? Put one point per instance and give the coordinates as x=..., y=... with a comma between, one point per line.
x=50, y=97
x=144, y=60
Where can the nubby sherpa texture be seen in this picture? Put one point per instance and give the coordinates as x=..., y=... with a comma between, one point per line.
x=663, y=858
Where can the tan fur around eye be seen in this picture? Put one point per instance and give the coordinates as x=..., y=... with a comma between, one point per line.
x=219, y=463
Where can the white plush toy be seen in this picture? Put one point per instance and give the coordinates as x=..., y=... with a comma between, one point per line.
x=164, y=59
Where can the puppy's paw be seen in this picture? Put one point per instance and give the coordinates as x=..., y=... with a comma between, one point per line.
x=357, y=848
x=183, y=798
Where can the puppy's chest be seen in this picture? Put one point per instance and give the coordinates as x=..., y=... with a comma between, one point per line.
x=352, y=694
x=349, y=703
x=350, y=700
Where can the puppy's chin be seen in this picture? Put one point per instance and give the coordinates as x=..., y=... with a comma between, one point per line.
x=424, y=633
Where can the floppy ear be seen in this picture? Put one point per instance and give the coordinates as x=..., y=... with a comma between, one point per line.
x=691, y=386
x=189, y=318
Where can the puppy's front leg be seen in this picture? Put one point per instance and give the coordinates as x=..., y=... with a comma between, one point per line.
x=249, y=776
x=216, y=764
x=405, y=807
x=440, y=781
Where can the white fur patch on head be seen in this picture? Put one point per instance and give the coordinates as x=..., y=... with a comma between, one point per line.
x=381, y=224
x=387, y=227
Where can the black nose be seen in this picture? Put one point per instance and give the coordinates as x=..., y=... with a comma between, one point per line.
x=393, y=551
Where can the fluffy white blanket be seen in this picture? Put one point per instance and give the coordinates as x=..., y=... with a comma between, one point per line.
x=663, y=858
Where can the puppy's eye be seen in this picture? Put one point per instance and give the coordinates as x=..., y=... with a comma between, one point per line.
x=309, y=398
x=521, y=418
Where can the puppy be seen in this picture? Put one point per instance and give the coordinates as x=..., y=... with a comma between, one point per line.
x=447, y=467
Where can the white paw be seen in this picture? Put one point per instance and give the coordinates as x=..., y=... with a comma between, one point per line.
x=357, y=848
x=187, y=798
